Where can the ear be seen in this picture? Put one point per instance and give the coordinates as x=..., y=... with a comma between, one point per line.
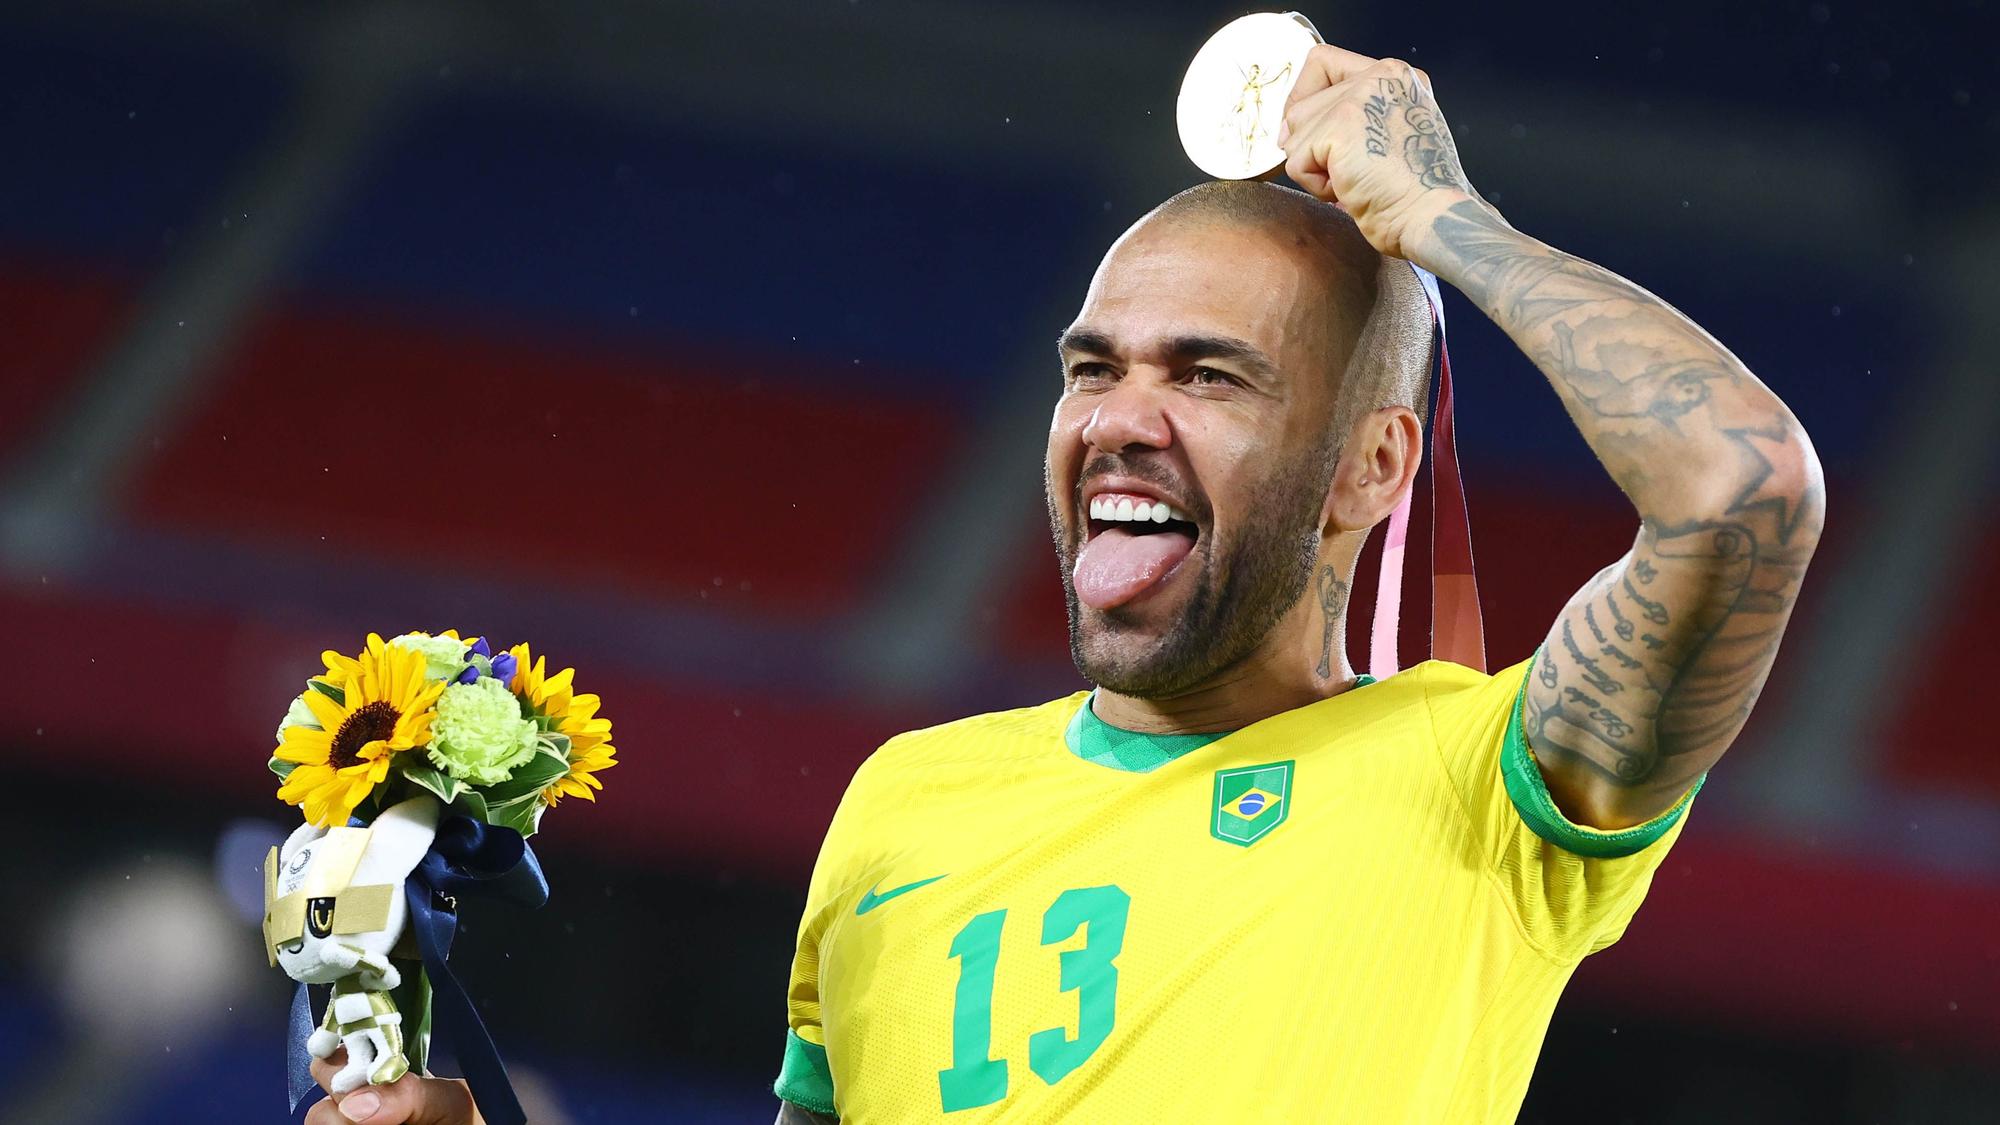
x=301, y=836
x=398, y=839
x=1378, y=465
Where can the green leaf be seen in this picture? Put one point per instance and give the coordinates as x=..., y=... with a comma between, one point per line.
x=432, y=780
x=531, y=776
x=338, y=695
x=413, y=999
x=282, y=767
x=555, y=742
x=472, y=803
x=522, y=816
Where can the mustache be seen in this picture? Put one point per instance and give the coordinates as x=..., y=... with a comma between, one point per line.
x=1147, y=471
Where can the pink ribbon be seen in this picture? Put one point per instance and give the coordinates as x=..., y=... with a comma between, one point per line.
x=1457, y=632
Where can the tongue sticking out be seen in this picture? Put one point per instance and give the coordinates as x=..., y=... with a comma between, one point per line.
x=1117, y=566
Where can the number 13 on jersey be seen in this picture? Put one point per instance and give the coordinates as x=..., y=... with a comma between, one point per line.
x=974, y=1079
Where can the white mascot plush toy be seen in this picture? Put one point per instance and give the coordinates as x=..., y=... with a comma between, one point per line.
x=333, y=911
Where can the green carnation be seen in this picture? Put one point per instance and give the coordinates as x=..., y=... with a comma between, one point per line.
x=479, y=734
x=444, y=658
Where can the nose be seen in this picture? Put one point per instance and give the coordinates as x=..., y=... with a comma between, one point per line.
x=1129, y=417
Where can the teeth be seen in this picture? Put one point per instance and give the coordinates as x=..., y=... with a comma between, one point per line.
x=1125, y=511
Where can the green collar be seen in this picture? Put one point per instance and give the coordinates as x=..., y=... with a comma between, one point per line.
x=1100, y=743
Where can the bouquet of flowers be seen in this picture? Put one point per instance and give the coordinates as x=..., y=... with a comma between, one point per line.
x=422, y=764
x=492, y=736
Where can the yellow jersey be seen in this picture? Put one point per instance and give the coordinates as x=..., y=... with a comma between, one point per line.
x=1361, y=910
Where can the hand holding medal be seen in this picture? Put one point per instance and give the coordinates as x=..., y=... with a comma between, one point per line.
x=1265, y=93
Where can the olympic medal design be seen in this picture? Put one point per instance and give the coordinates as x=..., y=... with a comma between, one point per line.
x=1233, y=97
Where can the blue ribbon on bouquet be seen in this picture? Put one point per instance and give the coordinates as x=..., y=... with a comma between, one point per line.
x=467, y=859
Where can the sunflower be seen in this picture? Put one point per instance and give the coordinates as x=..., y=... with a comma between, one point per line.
x=388, y=708
x=574, y=715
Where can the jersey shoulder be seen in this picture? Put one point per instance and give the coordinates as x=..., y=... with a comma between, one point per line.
x=1454, y=696
x=993, y=730
x=1397, y=710
x=977, y=741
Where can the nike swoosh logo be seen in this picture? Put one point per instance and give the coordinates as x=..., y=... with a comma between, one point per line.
x=871, y=900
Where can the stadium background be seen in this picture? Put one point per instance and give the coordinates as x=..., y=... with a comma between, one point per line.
x=708, y=346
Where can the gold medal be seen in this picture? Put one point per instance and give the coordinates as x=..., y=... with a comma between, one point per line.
x=1233, y=98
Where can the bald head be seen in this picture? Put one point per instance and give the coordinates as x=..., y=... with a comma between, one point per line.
x=1375, y=328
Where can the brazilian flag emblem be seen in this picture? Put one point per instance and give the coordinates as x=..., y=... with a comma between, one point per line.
x=1250, y=801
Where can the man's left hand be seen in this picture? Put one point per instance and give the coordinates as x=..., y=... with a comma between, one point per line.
x=409, y=1100
x=1366, y=134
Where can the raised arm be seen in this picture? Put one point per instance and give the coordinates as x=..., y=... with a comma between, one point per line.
x=1652, y=668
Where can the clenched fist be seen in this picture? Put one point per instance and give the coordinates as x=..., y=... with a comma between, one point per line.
x=1367, y=134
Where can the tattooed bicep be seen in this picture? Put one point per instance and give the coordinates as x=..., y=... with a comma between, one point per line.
x=1652, y=668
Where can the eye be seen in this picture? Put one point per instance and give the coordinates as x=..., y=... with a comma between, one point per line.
x=1210, y=377
x=319, y=917
x=1089, y=373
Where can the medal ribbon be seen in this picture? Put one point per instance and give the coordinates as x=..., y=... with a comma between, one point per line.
x=1457, y=632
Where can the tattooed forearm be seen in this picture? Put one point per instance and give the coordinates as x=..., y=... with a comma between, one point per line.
x=1730, y=505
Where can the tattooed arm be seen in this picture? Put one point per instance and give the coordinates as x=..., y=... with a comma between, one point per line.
x=1652, y=668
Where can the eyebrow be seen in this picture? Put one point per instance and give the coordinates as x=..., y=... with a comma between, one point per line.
x=1093, y=342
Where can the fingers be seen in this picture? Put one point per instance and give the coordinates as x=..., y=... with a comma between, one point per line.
x=1323, y=85
x=1326, y=65
x=323, y=1069
x=1338, y=67
x=1302, y=112
x=1301, y=138
x=409, y=1100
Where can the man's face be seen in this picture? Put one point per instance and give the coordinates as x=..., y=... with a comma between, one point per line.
x=1195, y=377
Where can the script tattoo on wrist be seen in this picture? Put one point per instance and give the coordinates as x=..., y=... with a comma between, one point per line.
x=1729, y=500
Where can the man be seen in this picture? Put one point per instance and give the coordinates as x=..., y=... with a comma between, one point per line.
x=1236, y=881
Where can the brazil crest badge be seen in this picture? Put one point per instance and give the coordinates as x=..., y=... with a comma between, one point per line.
x=1250, y=801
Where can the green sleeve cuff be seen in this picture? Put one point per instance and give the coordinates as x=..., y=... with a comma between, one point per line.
x=805, y=1081
x=1530, y=793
